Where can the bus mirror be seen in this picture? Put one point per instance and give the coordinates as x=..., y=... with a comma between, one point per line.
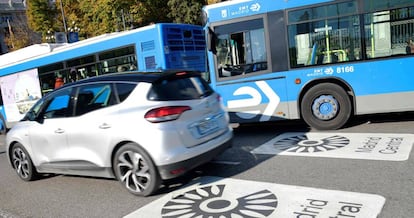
x=211, y=41
x=203, y=18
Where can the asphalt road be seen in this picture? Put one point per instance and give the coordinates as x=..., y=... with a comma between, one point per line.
x=72, y=196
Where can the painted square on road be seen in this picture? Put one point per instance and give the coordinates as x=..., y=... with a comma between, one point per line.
x=217, y=197
x=370, y=146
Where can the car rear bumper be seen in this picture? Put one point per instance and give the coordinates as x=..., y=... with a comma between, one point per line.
x=177, y=169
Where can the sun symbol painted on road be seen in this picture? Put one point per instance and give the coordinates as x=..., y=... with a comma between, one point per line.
x=301, y=144
x=208, y=202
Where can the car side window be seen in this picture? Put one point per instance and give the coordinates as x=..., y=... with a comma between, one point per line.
x=93, y=97
x=58, y=105
x=124, y=89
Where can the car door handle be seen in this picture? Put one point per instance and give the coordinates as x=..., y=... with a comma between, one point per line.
x=105, y=126
x=60, y=131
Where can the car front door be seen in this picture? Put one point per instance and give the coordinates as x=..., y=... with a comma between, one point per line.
x=48, y=135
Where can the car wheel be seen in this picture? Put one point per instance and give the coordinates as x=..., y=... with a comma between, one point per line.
x=326, y=107
x=22, y=163
x=135, y=170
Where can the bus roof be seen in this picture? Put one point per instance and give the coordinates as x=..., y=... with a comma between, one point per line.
x=40, y=50
x=27, y=53
x=240, y=8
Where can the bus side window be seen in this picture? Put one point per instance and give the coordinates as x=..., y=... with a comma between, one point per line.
x=387, y=32
x=320, y=36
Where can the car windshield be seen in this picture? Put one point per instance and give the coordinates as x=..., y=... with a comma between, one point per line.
x=180, y=89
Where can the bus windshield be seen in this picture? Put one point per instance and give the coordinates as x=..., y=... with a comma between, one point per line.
x=241, y=51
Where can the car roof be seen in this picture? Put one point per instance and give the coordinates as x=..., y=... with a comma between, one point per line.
x=149, y=77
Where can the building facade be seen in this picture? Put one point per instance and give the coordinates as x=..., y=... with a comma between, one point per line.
x=11, y=11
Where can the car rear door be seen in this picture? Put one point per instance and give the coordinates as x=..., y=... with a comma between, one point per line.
x=95, y=117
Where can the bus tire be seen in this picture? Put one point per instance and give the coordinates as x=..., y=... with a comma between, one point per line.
x=326, y=106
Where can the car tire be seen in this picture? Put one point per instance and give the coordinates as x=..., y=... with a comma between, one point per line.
x=135, y=170
x=326, y=106
x=22, y=163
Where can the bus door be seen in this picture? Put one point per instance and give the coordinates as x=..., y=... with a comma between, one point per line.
x=242, y=72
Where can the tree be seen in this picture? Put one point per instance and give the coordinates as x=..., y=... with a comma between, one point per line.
x=105, y=16
x=96, y=17
x=145, y=12
x=41, y=16
x=186, y=11
x=213, y=1
x=71, y=13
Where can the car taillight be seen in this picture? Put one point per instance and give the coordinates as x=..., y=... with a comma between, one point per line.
x=164, y=114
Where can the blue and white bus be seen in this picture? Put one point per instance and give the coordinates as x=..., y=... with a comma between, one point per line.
x=322, y=61
x=29, y=73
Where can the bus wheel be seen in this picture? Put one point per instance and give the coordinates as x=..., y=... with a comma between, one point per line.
x=326, y=107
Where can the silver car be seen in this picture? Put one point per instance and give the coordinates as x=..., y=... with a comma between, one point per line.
x=141, y=128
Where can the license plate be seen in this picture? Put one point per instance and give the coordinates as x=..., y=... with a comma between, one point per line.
x=206, y=126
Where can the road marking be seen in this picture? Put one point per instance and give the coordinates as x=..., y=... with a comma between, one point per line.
x=225, y=198
x=370, y=146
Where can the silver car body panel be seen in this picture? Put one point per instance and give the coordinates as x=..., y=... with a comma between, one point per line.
x=84, y=145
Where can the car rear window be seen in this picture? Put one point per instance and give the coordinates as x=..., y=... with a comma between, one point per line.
x=183, y=88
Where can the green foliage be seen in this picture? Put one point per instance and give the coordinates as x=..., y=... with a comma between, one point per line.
x=40, y=15
x=149, y=11
x=185, y=11
x=96, y=17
